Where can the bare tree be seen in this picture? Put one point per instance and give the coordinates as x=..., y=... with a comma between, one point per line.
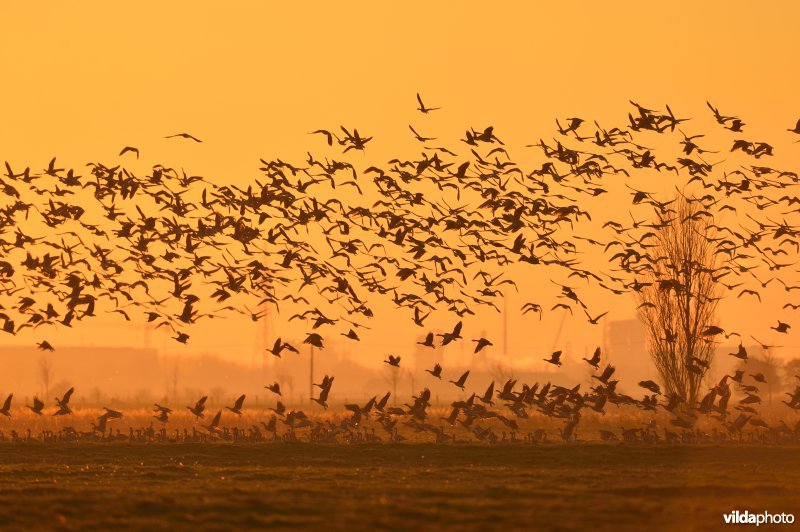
x=678, y=296
x=46, y=375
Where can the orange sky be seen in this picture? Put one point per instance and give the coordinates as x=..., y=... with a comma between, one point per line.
x=83, y=80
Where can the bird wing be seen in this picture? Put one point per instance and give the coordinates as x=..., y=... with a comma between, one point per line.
x=323, y=395
x=67, y=395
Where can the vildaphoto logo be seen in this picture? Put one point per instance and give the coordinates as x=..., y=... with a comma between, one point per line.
x=764, y=518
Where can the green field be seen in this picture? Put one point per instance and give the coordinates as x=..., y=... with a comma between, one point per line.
x=367, y=487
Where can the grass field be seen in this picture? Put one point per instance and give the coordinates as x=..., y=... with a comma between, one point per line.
x=419, y=486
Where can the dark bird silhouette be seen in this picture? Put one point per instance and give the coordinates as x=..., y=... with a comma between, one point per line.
x=322, y=400
x=555, y=358
x=595, y=360
x=594, y=320
x=428, y=342
x=607, y=373
x=213, y=427
x=199, y=407
x=781, y=327
x=741, y=353
x=44, y=345
x=237, y=406
x=420, y=137
x=183, y=136
x=315, y=340
x=131, y=149
x=451, y=336
x=481, y=343
x=461, y=380
x=487, y=395
x=650, y=385
x=163, y=413
x=279, y=346
x=38, y=406
x=422, y=108
x=64, y=401
x=328, y=135
x=436, y=371
x=7, y=406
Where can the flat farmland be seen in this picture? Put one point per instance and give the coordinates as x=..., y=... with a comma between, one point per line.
x=218, y=486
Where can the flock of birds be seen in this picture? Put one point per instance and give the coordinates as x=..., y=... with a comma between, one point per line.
x=474, y=416
x=442, y=233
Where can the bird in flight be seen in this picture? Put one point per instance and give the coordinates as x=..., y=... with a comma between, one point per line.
x=181, y=135
x=436, y=371
x=481, y=343
x=163, y=412
x=451, y=336
x=37, y=407
x=425, y=110
x=131, y=149
x=428, y=342
x=418, y=136
x=594, y=320
x=781, y=327
x=63, y=404
x=44, y=345
x=595, y=360
x=7, y=406
x=199, y=407
x=328, y=135
x=555, y=358
x=237, y=406
x=461, y=380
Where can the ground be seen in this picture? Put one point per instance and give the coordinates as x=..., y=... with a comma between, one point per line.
x=384, y=486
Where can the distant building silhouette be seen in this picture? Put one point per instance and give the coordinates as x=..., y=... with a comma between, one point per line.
x=625, y=346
